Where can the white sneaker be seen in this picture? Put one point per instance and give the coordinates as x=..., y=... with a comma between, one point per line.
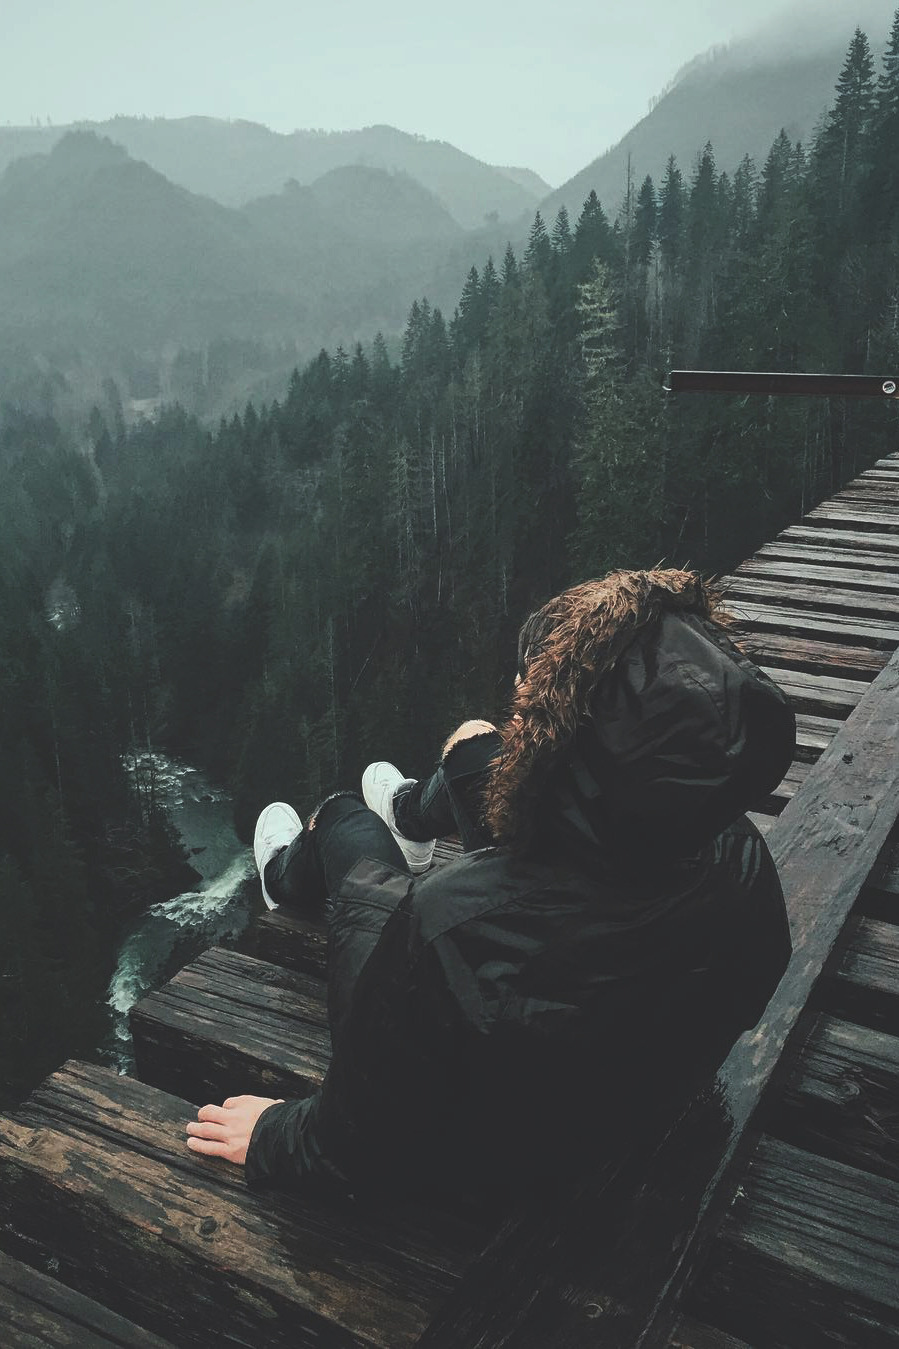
x=277, y=826
x=380, y=782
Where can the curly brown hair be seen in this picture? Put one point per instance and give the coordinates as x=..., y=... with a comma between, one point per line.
x=564, y=649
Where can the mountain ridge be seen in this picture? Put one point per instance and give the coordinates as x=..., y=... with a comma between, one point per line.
x=236, y=162
x=98, y=249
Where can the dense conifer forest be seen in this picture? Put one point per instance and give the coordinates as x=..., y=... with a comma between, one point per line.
x=340, y=575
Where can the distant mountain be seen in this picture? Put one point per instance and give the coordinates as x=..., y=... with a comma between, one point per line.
x=235, y=162
x=531, y=182
x=738, y=97
x=99, y=252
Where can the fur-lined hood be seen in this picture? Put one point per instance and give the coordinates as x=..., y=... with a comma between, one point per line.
x=636, y=720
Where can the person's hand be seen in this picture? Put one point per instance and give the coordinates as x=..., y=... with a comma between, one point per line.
x=225, y=1130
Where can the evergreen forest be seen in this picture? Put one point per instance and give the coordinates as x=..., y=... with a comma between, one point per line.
x=339, y=575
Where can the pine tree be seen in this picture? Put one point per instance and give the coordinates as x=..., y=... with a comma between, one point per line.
x=562, y=239
x=490, y=289
x=646, y=215
x=593, y=238
x=469, y=319
x=538, y=254
x=880, y=192
x=841, y=148
x=671, y=214
x=510, y=267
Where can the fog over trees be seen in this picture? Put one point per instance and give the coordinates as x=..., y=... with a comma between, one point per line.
x=337, y=572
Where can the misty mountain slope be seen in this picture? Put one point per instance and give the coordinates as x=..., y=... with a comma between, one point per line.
x=389, y=208
x=528, y=179
x=738, y=98
x=99, y=251
x=116, y=252
x=235, y=162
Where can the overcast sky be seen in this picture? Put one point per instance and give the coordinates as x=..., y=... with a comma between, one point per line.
x=548, y=84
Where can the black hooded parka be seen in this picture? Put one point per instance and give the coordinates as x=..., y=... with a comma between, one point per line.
x=522, y=1009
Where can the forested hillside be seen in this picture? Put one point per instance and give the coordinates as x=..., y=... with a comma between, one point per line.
x=339, y=575
x=100, y=255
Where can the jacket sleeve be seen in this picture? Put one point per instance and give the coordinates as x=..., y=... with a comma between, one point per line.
x=287, y=1146
x=336, y=1136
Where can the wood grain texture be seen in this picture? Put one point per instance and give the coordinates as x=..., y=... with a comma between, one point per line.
x=840, y=1097
x=814, y=734
x=810, y=655
x=881, y=495
x=229, y=1024
x=108, y=1187
x=807, y=1256
x=291, y=942
x=816, y=598
x=37, y=1312
x=837, y=578
x=276, y=941
x=818, y=694
x=866, y=984
x=94, y=1103
x=783, y=618
x=856, y=517
x=870, y=542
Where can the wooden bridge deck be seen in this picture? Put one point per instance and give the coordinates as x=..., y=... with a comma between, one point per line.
x=765, y=1217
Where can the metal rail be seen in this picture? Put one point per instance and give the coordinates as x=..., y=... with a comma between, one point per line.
x=781, y=382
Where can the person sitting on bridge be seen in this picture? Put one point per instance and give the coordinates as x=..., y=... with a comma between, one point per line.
x=613, y=923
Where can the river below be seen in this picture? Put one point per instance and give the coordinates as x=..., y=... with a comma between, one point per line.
x=170, y=934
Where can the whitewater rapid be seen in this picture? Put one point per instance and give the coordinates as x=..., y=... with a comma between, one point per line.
x=170, y=934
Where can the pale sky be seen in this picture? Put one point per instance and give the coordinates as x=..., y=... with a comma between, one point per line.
x=547, y=84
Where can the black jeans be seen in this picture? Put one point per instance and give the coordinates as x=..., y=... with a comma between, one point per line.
x=342, y=829
x=306, y=877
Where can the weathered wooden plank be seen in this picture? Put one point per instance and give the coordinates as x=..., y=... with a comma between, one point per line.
x=840, y=1098
x=811, y=655
x=886, y=489
x=866, y=985
x=89, y=1101
x=876, y=498
x=818, y=599
x=807, y=622
x=875, y=478
x=890, y=461
x=807, y=1255
x=854, y=560
x=96, y=1173
x=625, y=1247
x=841, y=579
x=813, y=735
x=228, y=1023
x=37, y=1312
x=818, y=694
x=283, y=938
x=828, y=537
x=854, y=517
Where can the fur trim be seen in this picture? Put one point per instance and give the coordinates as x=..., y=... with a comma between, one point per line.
x=574, y=641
